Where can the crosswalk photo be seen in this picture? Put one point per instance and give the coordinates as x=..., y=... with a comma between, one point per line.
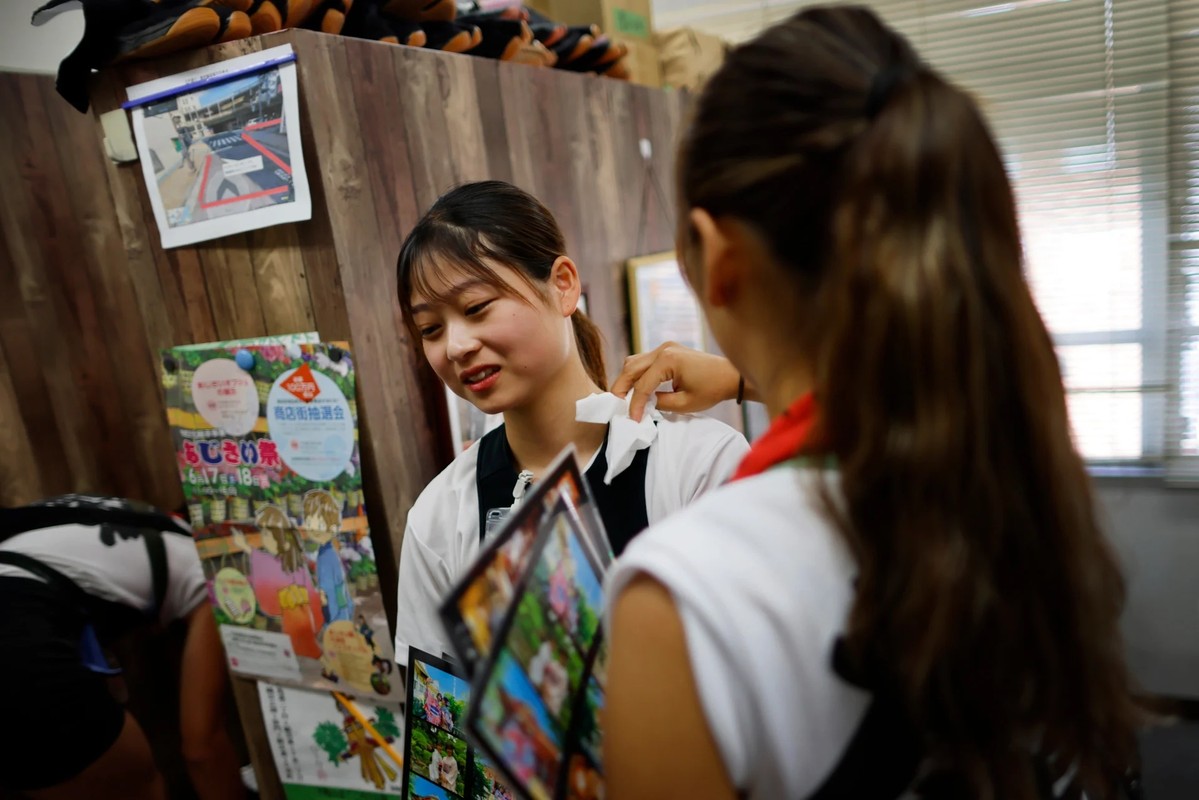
x=221, y=151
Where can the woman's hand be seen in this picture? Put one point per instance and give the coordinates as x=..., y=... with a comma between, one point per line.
x=700, y=380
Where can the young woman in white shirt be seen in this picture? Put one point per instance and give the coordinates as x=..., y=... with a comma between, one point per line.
x=486, y=285
x=904, y=590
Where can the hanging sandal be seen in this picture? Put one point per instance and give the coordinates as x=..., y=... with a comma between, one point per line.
x=329, y=16
x=452, y=37
x=123, y=29
x=421, y=10
x=369, y=22
x=502, y=38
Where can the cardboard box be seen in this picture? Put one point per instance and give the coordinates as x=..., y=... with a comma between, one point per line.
x=627, y=18
x=642, y=62
x=689, y=57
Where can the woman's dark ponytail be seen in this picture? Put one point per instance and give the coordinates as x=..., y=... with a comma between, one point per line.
x=591, y=348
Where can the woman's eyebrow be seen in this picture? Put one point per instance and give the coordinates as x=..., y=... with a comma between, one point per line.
x=457, y=288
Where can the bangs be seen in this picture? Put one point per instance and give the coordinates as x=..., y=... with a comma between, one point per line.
x=434, y=247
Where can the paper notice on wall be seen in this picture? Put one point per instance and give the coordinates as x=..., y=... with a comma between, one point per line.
x=224, y=157
x=329, y=745
x=260, y=653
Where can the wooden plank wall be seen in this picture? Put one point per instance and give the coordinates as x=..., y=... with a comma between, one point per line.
x=88, y=296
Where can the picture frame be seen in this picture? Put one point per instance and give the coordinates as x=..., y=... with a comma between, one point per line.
x=662, y=307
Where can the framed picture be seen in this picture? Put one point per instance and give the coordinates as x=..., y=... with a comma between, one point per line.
x=661, y=305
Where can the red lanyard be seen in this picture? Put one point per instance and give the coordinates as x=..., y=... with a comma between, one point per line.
x=783, y=440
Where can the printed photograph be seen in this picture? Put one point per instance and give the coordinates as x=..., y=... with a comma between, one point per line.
x=583, y=780
x=599, y=665
x=439, y=698
x=421, y=789
x=222, y=150
x=565, y=575
x=486, y=599
x=541, y=644
x=515, y=727
x=438, y=756
x=489, y=782
x=587, y=722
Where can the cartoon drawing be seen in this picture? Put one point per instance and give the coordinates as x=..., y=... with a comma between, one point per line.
x=352, y=740
x=322, y=521
x=282, y=583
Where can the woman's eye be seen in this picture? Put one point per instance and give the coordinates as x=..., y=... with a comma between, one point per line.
x=471, y=310
x=429, y=330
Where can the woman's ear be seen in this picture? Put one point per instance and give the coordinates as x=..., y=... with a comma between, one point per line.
x=716, y=276
x=566, y=285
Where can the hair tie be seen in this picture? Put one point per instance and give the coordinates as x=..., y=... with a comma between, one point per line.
x=882, y=87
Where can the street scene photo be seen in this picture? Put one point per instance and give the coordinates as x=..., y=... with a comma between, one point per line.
x=222, y=150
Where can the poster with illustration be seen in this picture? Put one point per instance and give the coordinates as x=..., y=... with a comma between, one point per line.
x=439, y=762
x=266, y=442
x=540, y=694
x=473, y=611
x=330, y=745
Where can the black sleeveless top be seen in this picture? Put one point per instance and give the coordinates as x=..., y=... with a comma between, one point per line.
x=621, y=504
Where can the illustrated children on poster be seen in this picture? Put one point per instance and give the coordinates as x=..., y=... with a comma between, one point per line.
x=282, y=583
x=322, y=521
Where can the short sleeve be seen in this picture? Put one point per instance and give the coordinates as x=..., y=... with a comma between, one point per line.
x=424, y=580
x=186, y=585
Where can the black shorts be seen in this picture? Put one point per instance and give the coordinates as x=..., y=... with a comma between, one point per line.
x=59, y=716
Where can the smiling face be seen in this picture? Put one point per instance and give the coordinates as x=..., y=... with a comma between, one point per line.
x=496, y=346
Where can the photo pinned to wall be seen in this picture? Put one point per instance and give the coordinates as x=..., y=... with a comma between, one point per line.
x=220, y=147
x=266, y=445
x=537, y=712
x=439, y=761
x=330, y=745
x=473, y=612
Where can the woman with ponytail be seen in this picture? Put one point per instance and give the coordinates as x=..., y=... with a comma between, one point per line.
x=486, y=286
x=904, y=591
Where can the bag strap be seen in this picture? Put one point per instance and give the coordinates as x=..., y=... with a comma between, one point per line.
x=59, y=582
x=159, y=569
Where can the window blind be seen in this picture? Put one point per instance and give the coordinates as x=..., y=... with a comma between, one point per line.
x=1095, y=104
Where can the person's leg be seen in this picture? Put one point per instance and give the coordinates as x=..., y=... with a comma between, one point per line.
x=126, y=771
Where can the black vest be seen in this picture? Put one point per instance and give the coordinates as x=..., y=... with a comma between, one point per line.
x=621, y=504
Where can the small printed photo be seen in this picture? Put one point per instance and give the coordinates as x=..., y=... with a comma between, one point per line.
x=570, y=583
x=541, y=644
x=587, y=722
x=599, y=666
x=439, y=698
x=222, y=150
x=439, y=757
x=516, y=728
x=421, y=789
x=485, y=601
x=583, y=780
x=490, y=783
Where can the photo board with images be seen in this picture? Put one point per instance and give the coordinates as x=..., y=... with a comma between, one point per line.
x=266, y=440
x=473, y=612
x=540, y=694
x=439, y=761
x=220, y=147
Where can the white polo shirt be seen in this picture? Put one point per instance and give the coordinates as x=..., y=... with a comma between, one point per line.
x=763, y=585
x=689, y=456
